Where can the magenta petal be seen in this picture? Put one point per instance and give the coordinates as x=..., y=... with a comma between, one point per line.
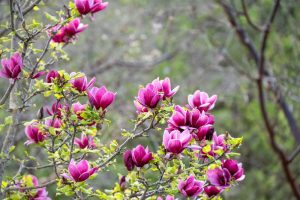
x=83, y=177
x=83, y=166
x=74, y=171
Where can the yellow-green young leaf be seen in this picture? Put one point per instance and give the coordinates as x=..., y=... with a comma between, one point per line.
x=219, y=152
x=35, y=8
x=1, y=127
x=235, y=142
x=4, y=184
x=58, y=96
x=11, y=148
x=206, y=149
x=8, y=120
x=52, y=131
x=51, y=17
x=101, y=194
x=47, y=93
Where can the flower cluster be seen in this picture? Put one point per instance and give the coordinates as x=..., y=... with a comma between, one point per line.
x=189, y=133
x=30, y=180
x=68, y=32
x=150, y=96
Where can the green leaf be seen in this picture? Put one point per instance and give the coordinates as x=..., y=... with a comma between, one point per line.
x=51, y=17
x=36, y=8
x=8, y=120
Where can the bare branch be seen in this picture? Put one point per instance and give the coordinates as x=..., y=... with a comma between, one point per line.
x=247, y=42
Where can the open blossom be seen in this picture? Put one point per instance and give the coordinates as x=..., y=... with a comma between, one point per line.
x=90, y=6
x=235, y=169
x=141, y=156
x=68, y=32
x=78, y=108
x=218, y=143
x=212, y=191
x=30, y=180
x=128, y=161
x=190, y=187
x=55, y=109
x=86, y=141
x=175, y=141
x=149, y=96
x=199, y=123
x=51, y=75
x=164, y=87
x=33, y=134
x=139, y=107
x=81, y=83
x=80, y=171
x=56, y=123
x=219, y=177
x=100, y=97
x=202, y=101
x=11, y=67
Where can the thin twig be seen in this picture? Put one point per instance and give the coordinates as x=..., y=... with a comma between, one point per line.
x=31, y=188
x=294, y=154
x=250, y=22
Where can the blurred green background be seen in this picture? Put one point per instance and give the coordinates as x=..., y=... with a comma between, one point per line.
x=134, y=41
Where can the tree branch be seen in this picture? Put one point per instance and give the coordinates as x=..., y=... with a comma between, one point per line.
x=271, y=131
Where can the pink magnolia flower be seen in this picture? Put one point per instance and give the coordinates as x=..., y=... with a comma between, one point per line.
x=164, y=87
x=218, y=143
x=55, y=109
x=79, y=172
x=212, y=191
x=81, y=83
x=68, y=32
x=85, y=142
x=149, y=96
x=202, y=101
x=190, y=187
x=90, y=6
x=56, y=123
x=100, y=97
x=128, y=161
x=51, y=75
x=168, y=197
x=139, y=107
x=199, y=123
x=141, y=156
x=41, y=193
x=175, y=141
x=219, y=177
x=78, y=108
x=11, y=67
x=33, y=134
x=235, y=169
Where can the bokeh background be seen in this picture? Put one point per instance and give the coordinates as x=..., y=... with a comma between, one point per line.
x=134, y=41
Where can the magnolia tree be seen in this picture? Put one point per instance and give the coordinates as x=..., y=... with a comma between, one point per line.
x=192, y=162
